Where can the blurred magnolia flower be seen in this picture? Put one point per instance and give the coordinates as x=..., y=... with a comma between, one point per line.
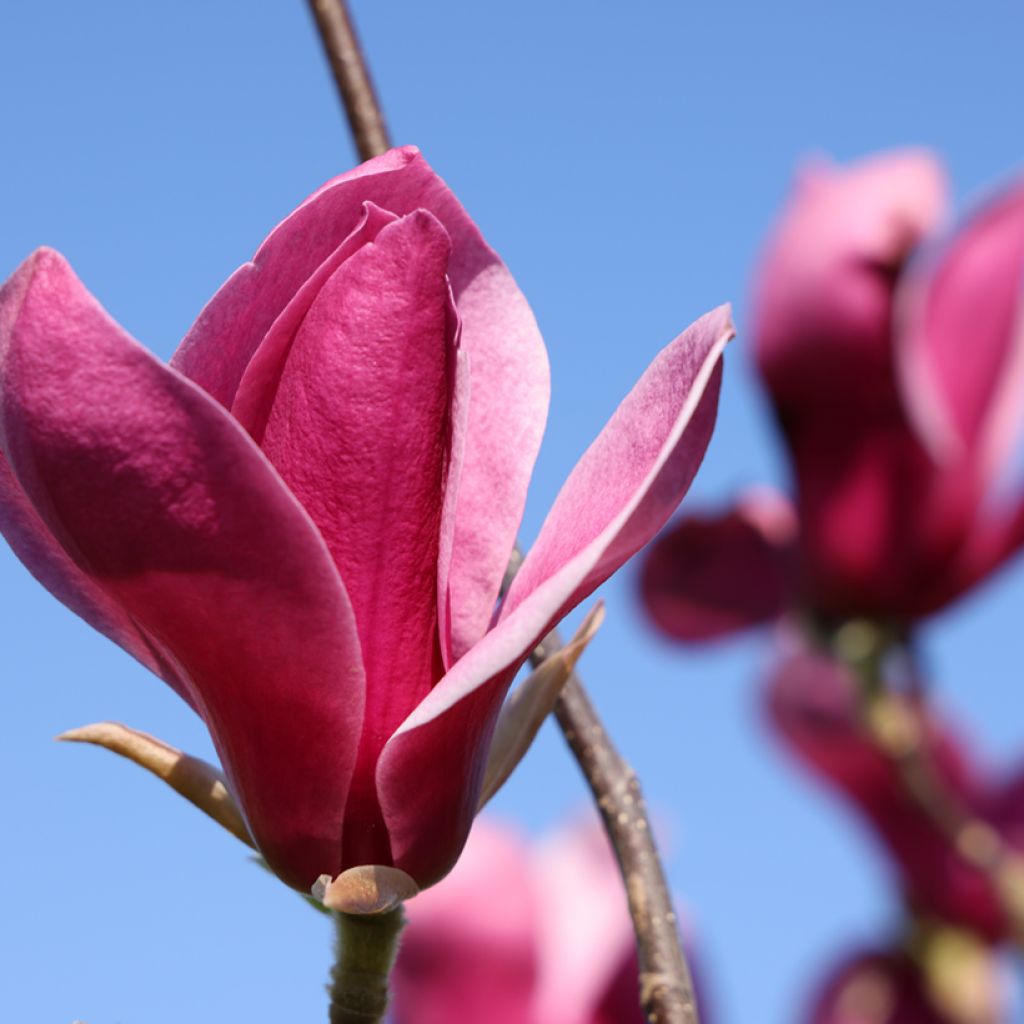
x=895, y=371
x=302, y=523
x=942, y=984
x=813, y=704
x=521, y=935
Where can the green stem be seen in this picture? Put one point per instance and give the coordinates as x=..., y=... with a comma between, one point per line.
x=366, y=948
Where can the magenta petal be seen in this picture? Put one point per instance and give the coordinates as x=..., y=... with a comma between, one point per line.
x=217, y=350
x=962, y=350
x=876, y=987
x=509, y=366
x=31, y=540
x=160, y=498
x=430, y=772
x=824, y=288
x=360, y=431
x=710, y=576
x=631, y=478
x=258, y=387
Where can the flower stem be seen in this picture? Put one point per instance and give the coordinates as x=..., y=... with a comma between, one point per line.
x=366, y=948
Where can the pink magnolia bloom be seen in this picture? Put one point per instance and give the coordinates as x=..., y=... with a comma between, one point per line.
x=888, y=987
x=897, y=383
x=812, y=702
x=519, y=935
x=302, y=523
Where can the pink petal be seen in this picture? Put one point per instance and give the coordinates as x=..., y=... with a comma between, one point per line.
x=962, y=350
x=631, y=478
x=258, y=387
x=508, y=362
x=163, y=502
x=876, y=987
x=586, y=935
x=469, y=951
x=710, y=576
x=360, y=432
x=824, y=287
x=431, y=770
x=31, y=540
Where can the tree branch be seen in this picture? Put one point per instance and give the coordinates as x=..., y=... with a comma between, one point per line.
x=352, y=77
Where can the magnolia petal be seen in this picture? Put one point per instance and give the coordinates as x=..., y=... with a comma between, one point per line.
x=631, y=478
x=160, y=497
x=580, y=896
x=39, y=551
x=823, y=291
x=257, y=389
x=365, y=890
x=961, y=351
x=709, y=576
x=360, y=431
x=431, y=771
x=197, y=781
x=224, y=338
x=510, y=376
x=530, y=704
x=459, y=421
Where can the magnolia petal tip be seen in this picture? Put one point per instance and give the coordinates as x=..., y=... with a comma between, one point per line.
x=365, y=890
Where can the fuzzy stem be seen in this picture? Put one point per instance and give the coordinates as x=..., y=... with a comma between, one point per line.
x=366, y=948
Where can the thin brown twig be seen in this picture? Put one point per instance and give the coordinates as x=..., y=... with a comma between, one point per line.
x=365, y=118
x=666, y=986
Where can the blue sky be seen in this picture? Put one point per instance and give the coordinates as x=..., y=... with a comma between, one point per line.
x=625, y=161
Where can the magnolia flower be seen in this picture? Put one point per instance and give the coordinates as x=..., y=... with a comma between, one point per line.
x=895, y=369
x=892, y=987
x=813, y=704
x=521, y=935
x=302, y=523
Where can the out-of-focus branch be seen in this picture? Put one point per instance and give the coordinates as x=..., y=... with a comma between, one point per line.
x=352, y=77
x=898, y=729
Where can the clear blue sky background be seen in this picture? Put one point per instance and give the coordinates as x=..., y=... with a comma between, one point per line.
x=626, y=161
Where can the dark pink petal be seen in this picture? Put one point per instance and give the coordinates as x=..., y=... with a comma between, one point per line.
x=257, y=389
x=469, y=952
x=632, y=477
x=31, y=540
x=825, y=281
x=882, y=526
x=509, y=367
x=159, y=497
x=619, y=495
x=709, y=576
x=360, y=432
x=962, y=347
x=876, y=988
